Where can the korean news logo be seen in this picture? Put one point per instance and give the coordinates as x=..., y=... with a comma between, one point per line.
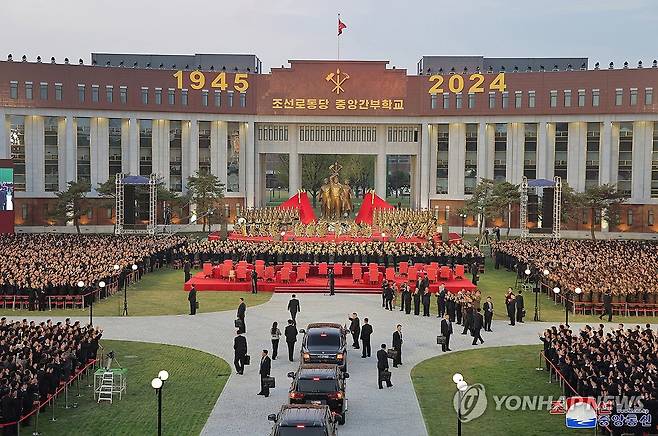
x=471, y=404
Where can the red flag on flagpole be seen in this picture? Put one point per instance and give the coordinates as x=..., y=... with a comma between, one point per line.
x=341, y=26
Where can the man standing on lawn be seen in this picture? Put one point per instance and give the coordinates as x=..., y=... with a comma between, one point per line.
x=191, y=297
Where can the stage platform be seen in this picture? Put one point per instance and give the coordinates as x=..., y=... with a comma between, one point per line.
x=313, y=284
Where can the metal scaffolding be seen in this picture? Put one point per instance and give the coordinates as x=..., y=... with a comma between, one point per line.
x=118, y=183
x=119, y=228
x=557, y=207
x=523, y=208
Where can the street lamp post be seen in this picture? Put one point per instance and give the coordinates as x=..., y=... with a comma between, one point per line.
x=463, y=216
x=101, y=285
x=462, y=386
x=567, y=294
x=125, y=293
x=81, y=287
x=158, y=384
x=537, y=291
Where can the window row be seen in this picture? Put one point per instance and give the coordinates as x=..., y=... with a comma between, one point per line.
x=94, y=95
x=402, y=134
x=338, y=133
x=272, y=132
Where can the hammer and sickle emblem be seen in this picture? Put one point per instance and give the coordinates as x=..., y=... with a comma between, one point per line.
x=337, y=79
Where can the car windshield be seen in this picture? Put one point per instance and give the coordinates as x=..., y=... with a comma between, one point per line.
x=320, y=386
x=299, y=430
x=323, y=340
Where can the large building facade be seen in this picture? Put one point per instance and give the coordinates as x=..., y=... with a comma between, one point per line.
x=455, y=121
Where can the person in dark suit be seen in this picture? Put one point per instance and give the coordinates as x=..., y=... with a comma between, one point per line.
x=511, y=308
x=355, y=329
x=254, y=281
x=293, y=307
x=607, y=306
x=469, y=314
x=403, y=299
x=441, y=301
x=186, y=268
x=290, y=332
x=332, y=284
x=382, y=366
x=406, y=296
x=427, y=299
x=417, y=301
x=476, y=326
x=384, y=287
x=446, y=330
x=191, y=297
x=366, y=331
x=488, y=314
x=240, y=351
x=475, y=270
x=520, y=309
x=265, y=368
x=397, y=346
x=242, y=311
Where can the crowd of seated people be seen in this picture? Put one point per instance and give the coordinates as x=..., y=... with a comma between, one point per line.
x=50, y=264
x=599, y=363
x=268, y=221
x=406, y=222
x=619, y=267
x=383, y=253
x=35, y=359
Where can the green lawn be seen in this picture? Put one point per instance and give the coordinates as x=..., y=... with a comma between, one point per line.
x=503, y=371
x=195, y=381
x=159, y=293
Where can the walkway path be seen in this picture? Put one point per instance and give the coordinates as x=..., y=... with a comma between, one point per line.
x=239, y=411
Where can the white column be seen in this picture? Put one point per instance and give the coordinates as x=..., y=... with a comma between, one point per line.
x=5, y=152
x=250, y=164
x=294, y=179
x=190, y=139
x=70, y=151
x=483, y=152
x=34, y=154
x=576, y=154
x=642, y=150
x=490, y=153
x=380, y=172
x=434, y=140
x=456, y=159
x=546, y=151
x=130, y=151
x=425, y=166
x=160, y=152
x=605, y=152
x=99, y=151
x=514, y=153
x=614, y=153
x=218, y=157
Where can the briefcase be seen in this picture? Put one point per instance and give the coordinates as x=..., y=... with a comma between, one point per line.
x=440, y=340
x=386, y=375
x=392, y=353
x=237, y=323
x=197, y=304
x=247, y=359
x=268, y=382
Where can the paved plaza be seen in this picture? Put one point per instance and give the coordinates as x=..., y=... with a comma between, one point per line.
x=239, y=411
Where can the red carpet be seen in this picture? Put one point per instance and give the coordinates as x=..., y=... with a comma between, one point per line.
x=343, y=284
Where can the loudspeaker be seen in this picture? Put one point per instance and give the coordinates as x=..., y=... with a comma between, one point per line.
x=533, y=208
x=129, y=204
x=547, y=208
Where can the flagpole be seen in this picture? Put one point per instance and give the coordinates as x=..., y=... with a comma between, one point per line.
x=338, y=41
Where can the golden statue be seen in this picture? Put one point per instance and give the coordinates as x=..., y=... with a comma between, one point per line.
x=335, y=197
